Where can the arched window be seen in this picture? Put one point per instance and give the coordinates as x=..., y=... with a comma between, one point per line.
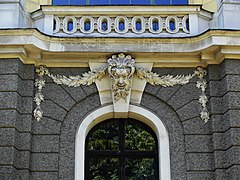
x=119, y=2
x=120, y=149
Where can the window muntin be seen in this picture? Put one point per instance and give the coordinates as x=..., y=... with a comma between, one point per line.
x=121, y=149
x=119, y=2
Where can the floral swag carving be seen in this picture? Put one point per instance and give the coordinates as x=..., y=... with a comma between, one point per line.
x=120, y=69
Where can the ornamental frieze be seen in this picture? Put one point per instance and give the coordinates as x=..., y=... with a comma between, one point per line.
x=120, y=70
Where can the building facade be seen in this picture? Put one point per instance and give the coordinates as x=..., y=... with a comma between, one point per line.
x=124, y=90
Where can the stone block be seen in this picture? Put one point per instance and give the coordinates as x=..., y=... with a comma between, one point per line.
x=152, y=89
x=89, y=90
x=25, y=105
x=22, y=141
x=190, y=110
x=220, y=159
x=220, y=174
x=198, y=143
x=231, y=100
x=233, y=118
x=219, y=124
x=8, y=118
x=58, y=95
x=44, y=176
x=9, y=100
x=7, y=172
x=26, y=87
x=231, y=83
x=12, y=119
x=219, y=141
x=46, y=126
x=45, y=143
x=22, y=175
x=200, y=161
x=165, y=93
x=22, y=159
x=52, y=110
x=75, y=92
x=185, y=94
x=234, y=172
x=7, y=136
x=197, y=126
x=233, y=155
x=215, y=105
x=24, y=122
x=200, y=175
x=44, y=162
x=215, y=88
x=214, y=72
x=7, y=155
x=9, y=66
x=231, y=67
x=9, y=82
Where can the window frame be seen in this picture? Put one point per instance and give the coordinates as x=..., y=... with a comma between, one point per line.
x=122, y=153
x=135, y=112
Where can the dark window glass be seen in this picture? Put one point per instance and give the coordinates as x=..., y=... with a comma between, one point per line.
x=172, y=25
x=119, y=2
x=155, y=25
x=187, y=24
x=121, y=149
x=138, y=26
x=121, y=26
x=70, y=26
x=87, y=26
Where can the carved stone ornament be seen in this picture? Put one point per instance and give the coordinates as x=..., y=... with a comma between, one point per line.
x=120, y=69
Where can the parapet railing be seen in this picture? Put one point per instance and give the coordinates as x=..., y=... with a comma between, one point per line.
x=121, y=21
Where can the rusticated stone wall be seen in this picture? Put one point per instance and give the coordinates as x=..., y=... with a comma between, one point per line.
x=45, y=149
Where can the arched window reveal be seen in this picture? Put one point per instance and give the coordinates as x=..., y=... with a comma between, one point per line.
x=120, y=149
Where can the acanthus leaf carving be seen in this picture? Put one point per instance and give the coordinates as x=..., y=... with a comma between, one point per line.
x=165, y=81
x=121, y=69
x=87, y=78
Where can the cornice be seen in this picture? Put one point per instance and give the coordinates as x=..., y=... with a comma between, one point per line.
x=33, y=47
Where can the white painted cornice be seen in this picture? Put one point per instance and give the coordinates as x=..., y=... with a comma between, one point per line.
x=33, y=47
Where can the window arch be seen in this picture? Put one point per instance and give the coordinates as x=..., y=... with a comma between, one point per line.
x=119, y=2
x=136, y=112
x=121, y=149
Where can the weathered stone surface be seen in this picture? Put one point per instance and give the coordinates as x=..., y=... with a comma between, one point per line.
x=46, y=126
x=7, y=155
x=198, y=143
x=45, y=143
x=7, y=172
x=22, y=159
x=184, y=95
x=231, y=100
x=196, y=126
x=216, y=105
x=75, y=92
x=190, y=110
x=52, y=110
x=44, y=175
x=200, y=161
x=7, y=136
x=234, y=172
x=58, y=95
x=165, y=93
x=44, y=162
x=200, y=175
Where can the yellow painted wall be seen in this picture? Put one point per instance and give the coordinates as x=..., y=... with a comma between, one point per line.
x=32, y=5
x=210, y=5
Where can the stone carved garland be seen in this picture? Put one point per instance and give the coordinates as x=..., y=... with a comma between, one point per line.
x=120, y=69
